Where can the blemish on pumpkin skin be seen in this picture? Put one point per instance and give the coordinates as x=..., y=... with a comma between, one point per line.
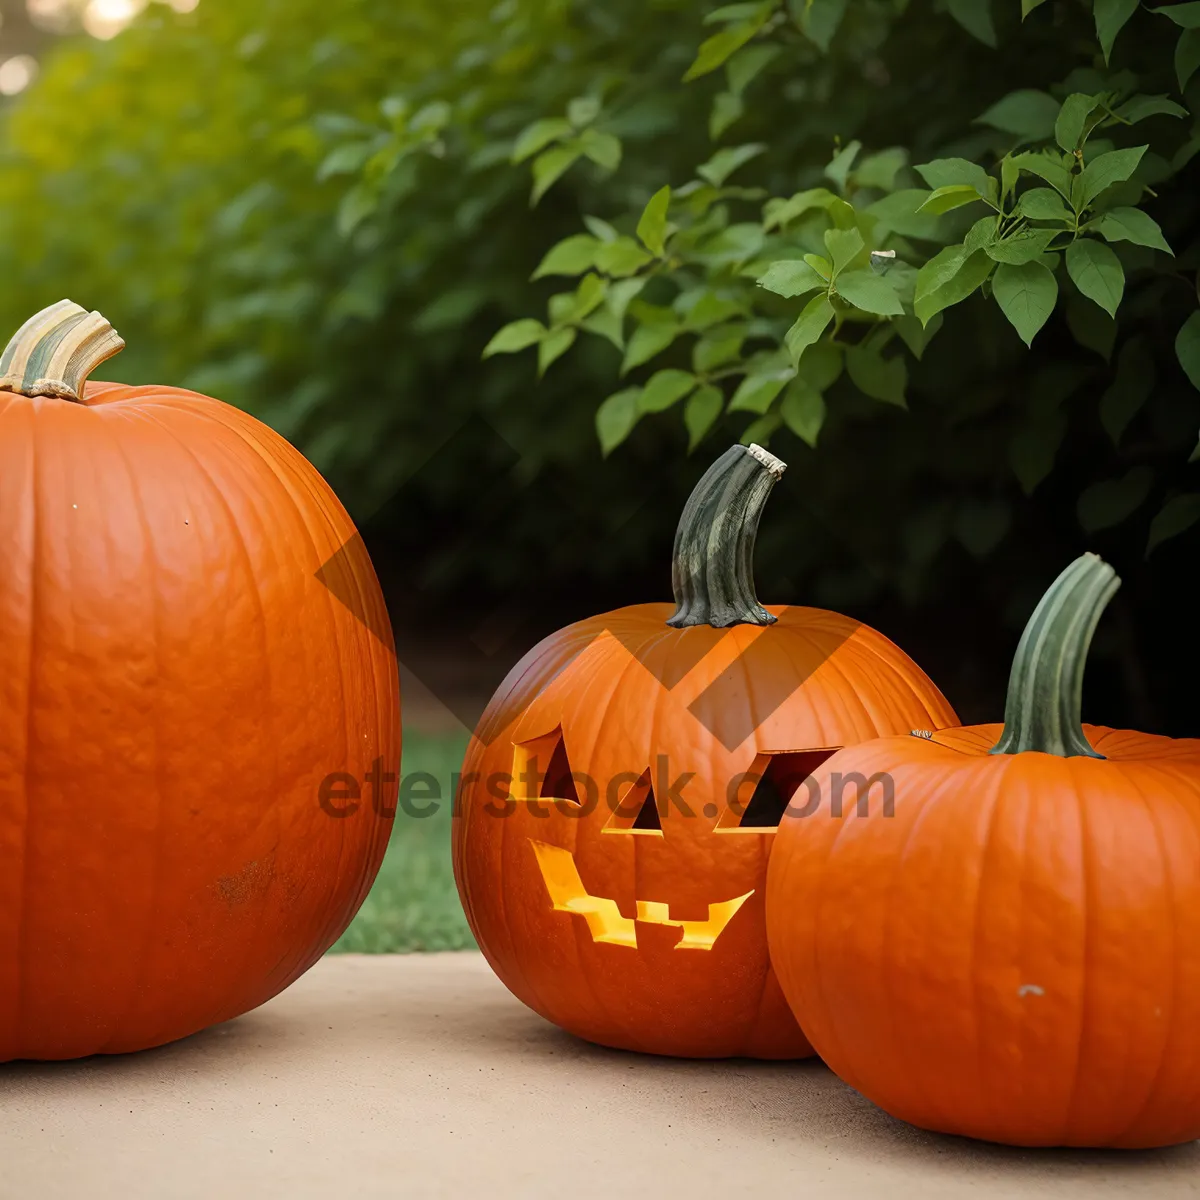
x=1030, y=989
x=250, y=883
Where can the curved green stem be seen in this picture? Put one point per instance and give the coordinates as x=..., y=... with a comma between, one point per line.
x=1044, y=710
x=712, y=569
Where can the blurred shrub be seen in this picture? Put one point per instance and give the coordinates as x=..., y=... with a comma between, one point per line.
x=838, y=235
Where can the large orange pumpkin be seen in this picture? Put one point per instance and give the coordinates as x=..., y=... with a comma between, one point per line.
x=177, y=687
x=1013, y=951
x=620, y=795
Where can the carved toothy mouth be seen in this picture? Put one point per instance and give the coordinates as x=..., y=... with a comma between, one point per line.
x=604, y=919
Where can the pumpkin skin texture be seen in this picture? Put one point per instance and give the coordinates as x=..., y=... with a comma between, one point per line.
x=177, y=684
x=1014, y=954
x=653, y=939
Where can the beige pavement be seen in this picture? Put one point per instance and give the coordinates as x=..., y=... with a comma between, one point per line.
x=419, y=1076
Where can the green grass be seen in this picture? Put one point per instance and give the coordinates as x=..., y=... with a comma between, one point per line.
x=414, y=904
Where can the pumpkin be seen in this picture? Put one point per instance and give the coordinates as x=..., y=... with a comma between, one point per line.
x=1011, y=949
x=178, y=688
x=620, y=794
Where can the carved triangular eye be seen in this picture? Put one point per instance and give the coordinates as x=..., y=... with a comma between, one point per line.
x=770, y=787
x=648, y=817
x=636, y=810
x=542, y=771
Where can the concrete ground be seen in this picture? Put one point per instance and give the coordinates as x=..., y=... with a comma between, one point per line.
x=419, y=1076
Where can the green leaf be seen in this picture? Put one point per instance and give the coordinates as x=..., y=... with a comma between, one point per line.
x=843, y=245
x=700, y=413
x=747, y=64
x=1027, y=114
x=838, y=167
x=1187, y=56
x=516, y=335
x=778, y=213
x=652, y=225
x=1091, y=326
x=583, y=110
x=572, y=256
x=1111, y=16
x=1027, y=6
x=645, y=342
x=898, y=213
x=1047, y=168
x=880, y=378
x=539, y=135
x=1187, y=16
x=726, y=161
x=879, y=170
x=954, y=172
x=809, y=326
x=588, y=296
x=1025, y=246
x=791, y=277
x=1044, y=204
x=727, y=108
x=1033, y=448
x=915, y=335
x=346, y=159
x=820, y=20
x=757, y=392
x=975, y=16
x=1187, y=348
x=1107, y=169
x=620, y=258
x=549, y=166
x=1073, y=119
x=822, y=266
x=665, y=388
x=1132, y=225
x=553, y=346
x=1026, y=294
x=940, y=269
x=943, y=287
x=356, y=206
x=1179, y=514
x=621, y=293
x=944, y=199
x=602, y=230
x=733, y=12
x=1138, y=108
x=1097, y=273
x=1108, y=503
x=715, y=349
x=803, y=411
x=616, y=417
x=870, y=292
x=760, y=431
x=606, y=324
x=604, y=149
x=822, y=365
x=717, y=49
x=1130, y=388
x=981, y=234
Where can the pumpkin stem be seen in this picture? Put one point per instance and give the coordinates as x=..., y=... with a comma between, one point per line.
x=1044, y=710
x=712, y=569
x=54, y=352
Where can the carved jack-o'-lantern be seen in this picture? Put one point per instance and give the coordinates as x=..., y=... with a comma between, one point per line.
x=620, y=795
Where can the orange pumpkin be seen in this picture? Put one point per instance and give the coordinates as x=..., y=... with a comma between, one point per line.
x=620, y=795
x=177, y=686
x=1014, y=952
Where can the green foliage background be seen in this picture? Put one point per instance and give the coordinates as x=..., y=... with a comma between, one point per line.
x=322, y=213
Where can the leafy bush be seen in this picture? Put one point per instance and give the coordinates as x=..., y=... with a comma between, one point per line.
x=759, y=298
